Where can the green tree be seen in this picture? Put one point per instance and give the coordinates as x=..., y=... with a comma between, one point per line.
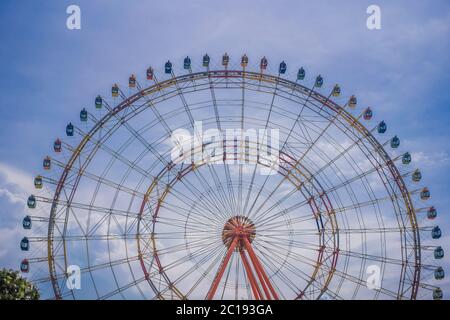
x=14, y=287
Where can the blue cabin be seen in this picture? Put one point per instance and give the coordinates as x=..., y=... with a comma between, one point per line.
x=437, y=294
x=436, y=232
x=38, y=182
x=69, y=129
x=26, y=222
x=416, y=175
x=225, y=60
x=25, y=244
x=439, y=273
x=31, y=202
x=206, y=60
x=425, y=194
x=438, y=253
x=336, y=91
x=406, y=158
x=283, y=67
x=168, y=67
x=431, y=213
x=47, y=163
x=132, y=81
x=83, y=115
x=368, y=114
x=244, y=61
x=263, y=64
x=395, y=142
x=115, y=90
x=57, y=145
x=301, y=74
x=319, y=81
x=98, y=102
x=187, y=63
x=382, y=127
x=24, y=266
x=150, y=73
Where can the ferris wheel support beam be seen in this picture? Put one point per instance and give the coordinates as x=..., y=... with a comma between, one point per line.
x=223, y=265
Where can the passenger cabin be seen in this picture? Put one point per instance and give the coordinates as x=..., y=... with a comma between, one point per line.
x=57, y=145
x=187, y=63
x=368, y=114
x=83, y=115
x=25, y=244
x=26, y=222
x=352, y=101
x=47, y=163
x=336, y=91
x=416, y=175
x=263, y=64
x=31, y=202
x=436, y=233
x=319, y=81
x=38, y=182
x=301, y=74
x=132, y=81
x=283, y=67
x=406, y=158
x=69, y=129
x=225, y=60
x=395, y=142
x=425, y=194
x=206, y=60
x=25, y=266
x=168, y=67
x=244, y=61
x=98, y=102
x=382, y=127
x=437, y=294
x=115, y=90
x=438, y=253
x=439, y=273
x=431, y=213
x=150, y=73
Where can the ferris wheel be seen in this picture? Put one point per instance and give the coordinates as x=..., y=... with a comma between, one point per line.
x=230, y=180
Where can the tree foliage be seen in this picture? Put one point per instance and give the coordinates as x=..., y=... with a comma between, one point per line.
x=14, y=287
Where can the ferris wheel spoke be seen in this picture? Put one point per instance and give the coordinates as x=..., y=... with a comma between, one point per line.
x=192, y=121
x=290, y=132
x=215, y=256
x=276, y=271
x=206, y=203
x=98, y=179
x=231, y=199
x=134, y=283
x=345, y=275
x=202, y=210
x=293, y=268
x=86, y=207
x=198, y=243
x=277, y=218
x=259, y=216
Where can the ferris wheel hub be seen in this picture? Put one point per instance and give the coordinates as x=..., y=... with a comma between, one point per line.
x=238, y=227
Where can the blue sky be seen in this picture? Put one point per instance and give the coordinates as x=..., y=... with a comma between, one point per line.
x=50, y=72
